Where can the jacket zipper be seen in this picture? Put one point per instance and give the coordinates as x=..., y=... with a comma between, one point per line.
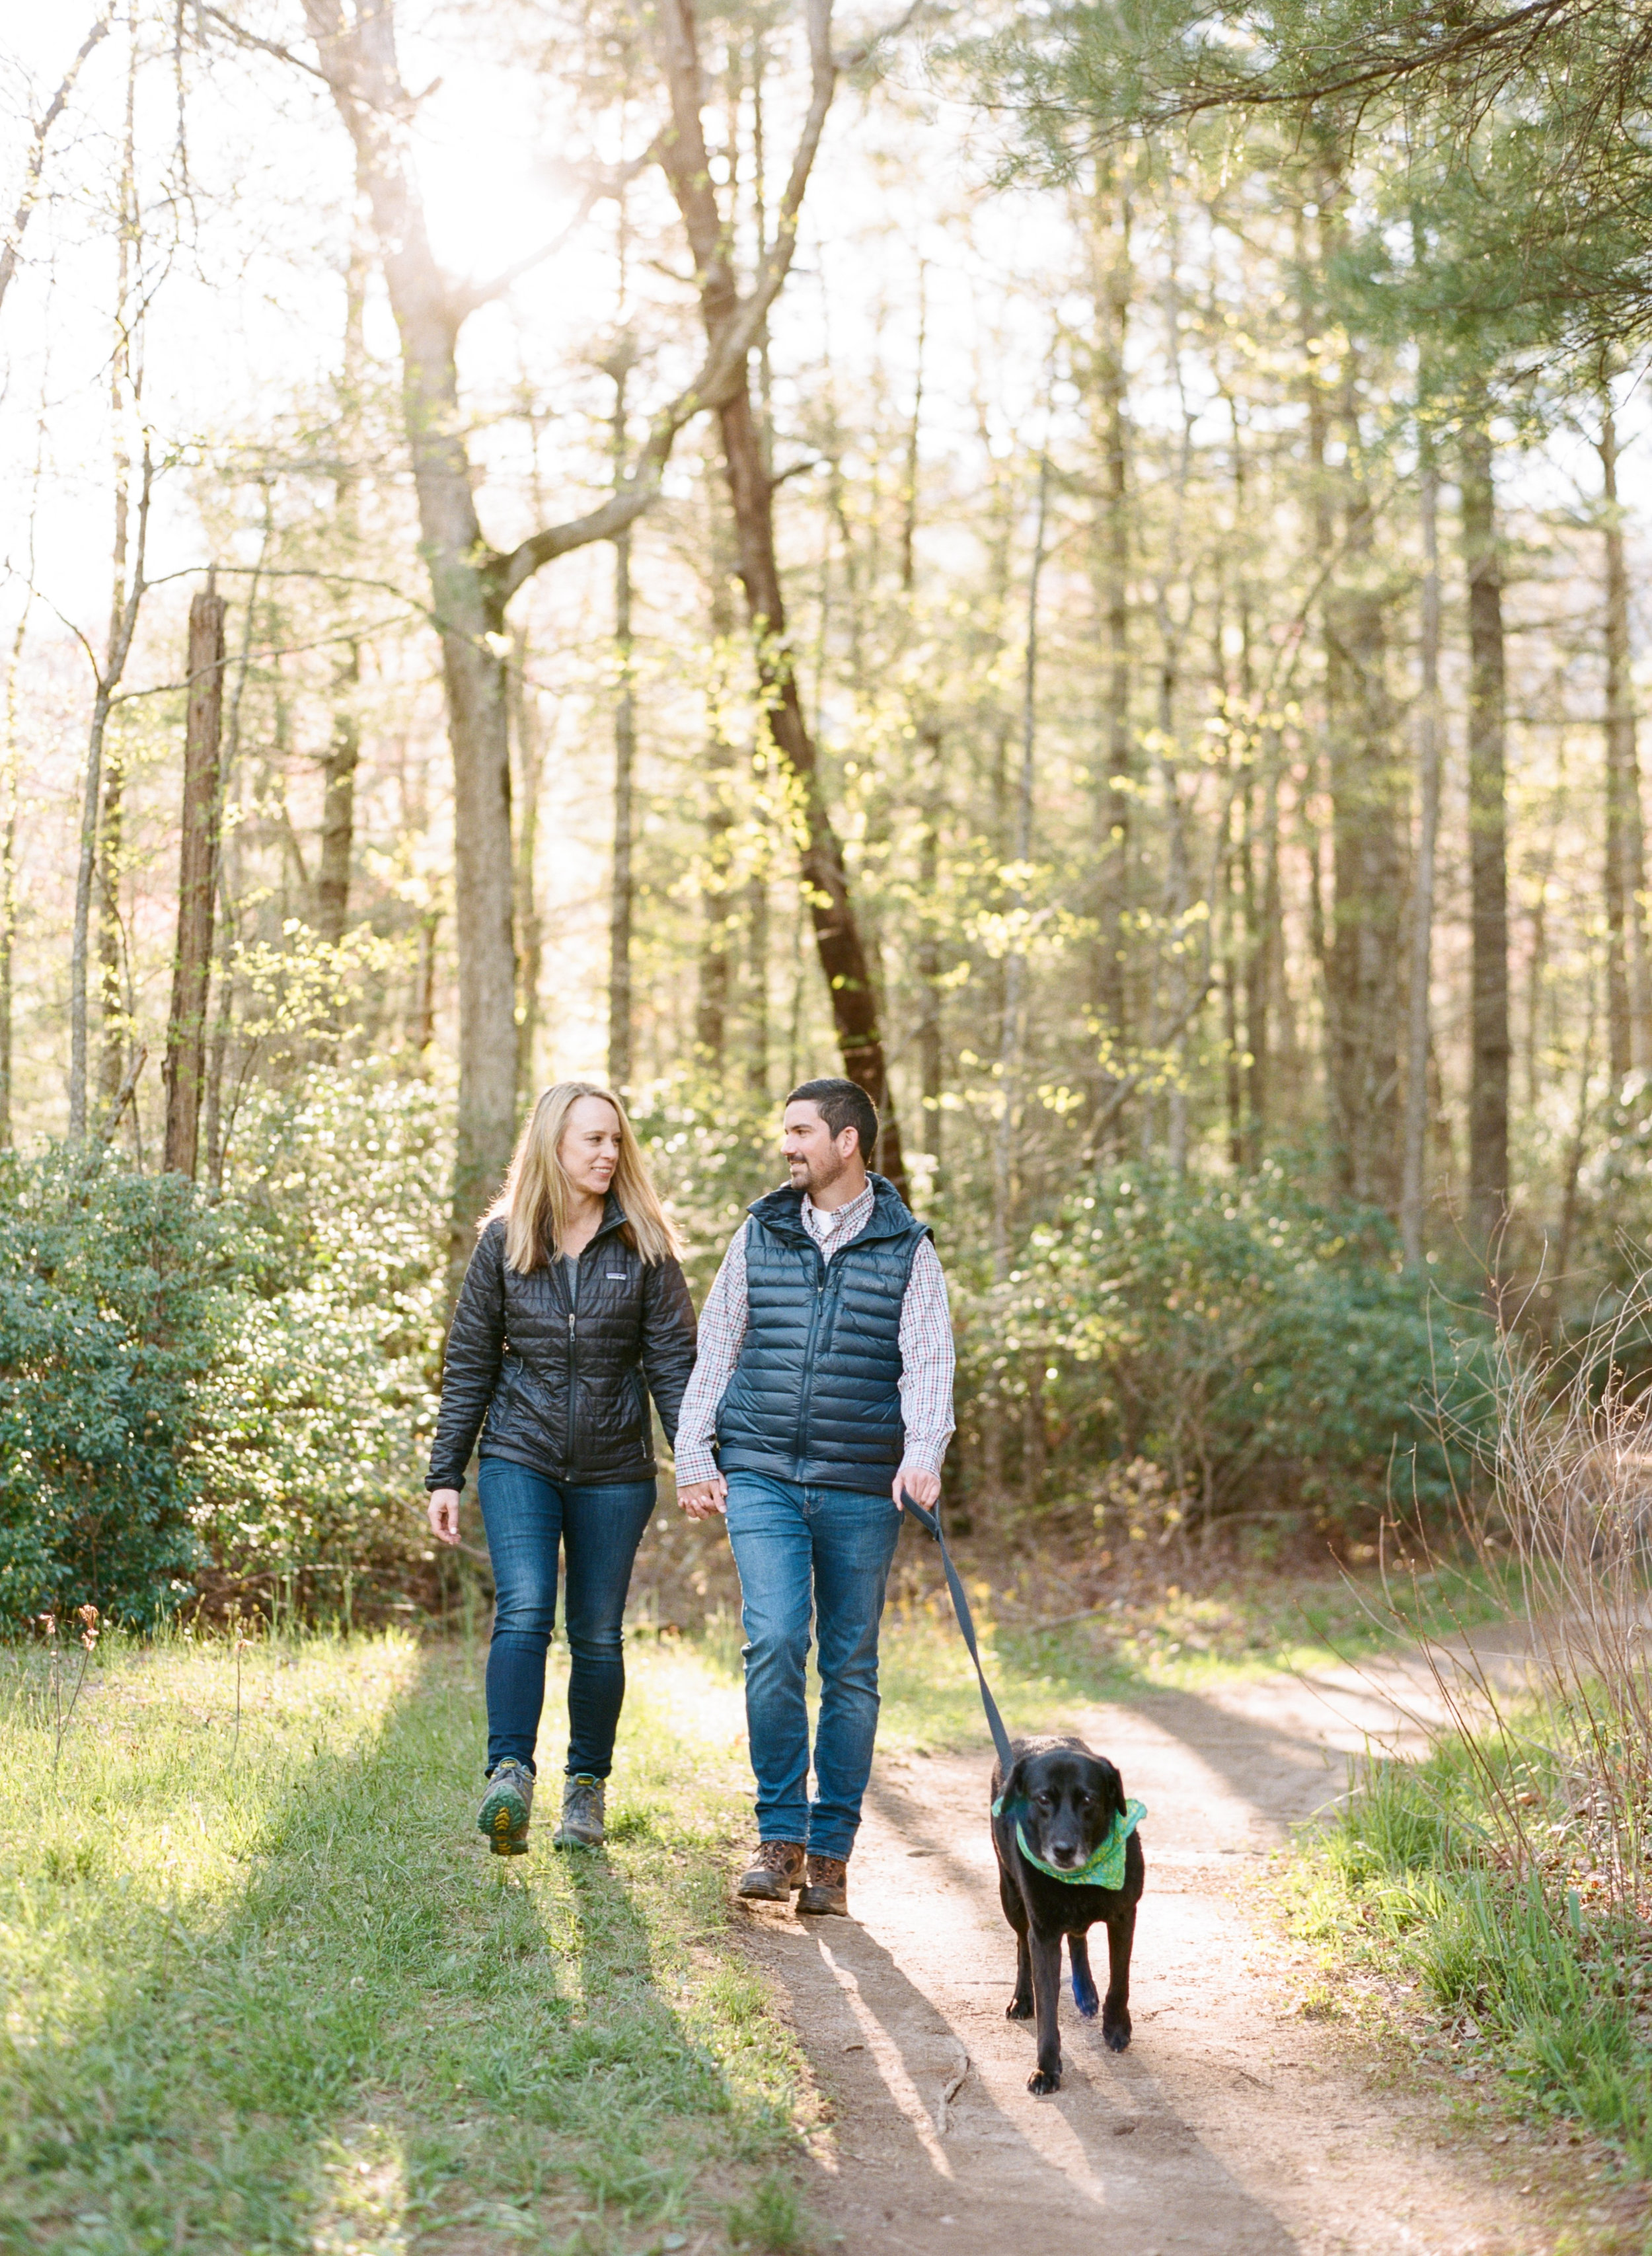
x=573, y=1375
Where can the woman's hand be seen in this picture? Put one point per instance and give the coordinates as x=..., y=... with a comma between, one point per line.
x=704, y=1499
x=444, y=1514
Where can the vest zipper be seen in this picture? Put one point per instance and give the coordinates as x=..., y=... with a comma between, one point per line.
x=807, y=1392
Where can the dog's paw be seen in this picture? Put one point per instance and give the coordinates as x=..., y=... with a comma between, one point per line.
x=1086, y=1997
x=1115, y=2034
x=1043, y=2080
x=1018, y=2009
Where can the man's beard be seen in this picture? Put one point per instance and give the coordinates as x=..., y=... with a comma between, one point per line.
x=821, y=1174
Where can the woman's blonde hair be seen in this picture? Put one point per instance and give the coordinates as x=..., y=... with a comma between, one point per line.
x=535, y=1202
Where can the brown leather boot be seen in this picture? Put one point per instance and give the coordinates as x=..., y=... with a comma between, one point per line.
x=774, y=1872
x=826, y=1889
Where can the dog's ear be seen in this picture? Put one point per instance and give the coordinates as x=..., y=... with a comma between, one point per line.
x=1014, y=1784
x=1112, y=1788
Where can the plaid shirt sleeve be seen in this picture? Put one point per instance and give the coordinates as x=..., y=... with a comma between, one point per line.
x=927, y=1362
x=722, y=1332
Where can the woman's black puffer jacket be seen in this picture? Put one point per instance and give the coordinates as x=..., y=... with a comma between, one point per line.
x=559, y=1382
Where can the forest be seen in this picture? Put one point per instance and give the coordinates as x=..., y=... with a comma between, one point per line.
x=1082, y=568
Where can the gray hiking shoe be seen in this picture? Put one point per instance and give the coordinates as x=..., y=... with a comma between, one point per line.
x=581, y=1825
x=506, y=1806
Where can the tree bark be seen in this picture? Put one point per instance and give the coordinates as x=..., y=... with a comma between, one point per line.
x=184, y=1072
x=838, y=939
x=1626, y=972
x=1488, y=850
x=1413, y=1186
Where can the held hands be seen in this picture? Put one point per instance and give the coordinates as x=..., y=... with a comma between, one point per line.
x=923, y=1488
x=444, y=1514
x=704, y=1499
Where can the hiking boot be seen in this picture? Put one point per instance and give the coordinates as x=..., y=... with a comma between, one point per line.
x=581, y=1825
x=774, y=1872
x=826, y=1889
x=506, y=1807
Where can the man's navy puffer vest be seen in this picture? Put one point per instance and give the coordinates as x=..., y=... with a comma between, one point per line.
x=816, y=1396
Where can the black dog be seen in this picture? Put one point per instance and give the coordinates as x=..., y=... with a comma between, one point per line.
x=1061, y=1799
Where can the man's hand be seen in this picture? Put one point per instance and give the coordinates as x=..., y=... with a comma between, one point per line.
x=923, y=1488
x=704, y=1499
x=444, y=1514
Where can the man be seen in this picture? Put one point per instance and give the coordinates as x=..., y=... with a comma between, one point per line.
x=825, y=1375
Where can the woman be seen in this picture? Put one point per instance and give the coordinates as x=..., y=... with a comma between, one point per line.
x=573, y=1297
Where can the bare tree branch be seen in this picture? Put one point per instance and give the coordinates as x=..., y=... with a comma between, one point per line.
x=36, y=159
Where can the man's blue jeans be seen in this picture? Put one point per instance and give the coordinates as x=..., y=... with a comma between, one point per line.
x=528, y=1518
x=824, y=1550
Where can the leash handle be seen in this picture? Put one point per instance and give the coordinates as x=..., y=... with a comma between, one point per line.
x=930, y=1522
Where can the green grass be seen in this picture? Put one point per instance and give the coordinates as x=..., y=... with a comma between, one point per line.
x=272, y=1992
x=1532, y=1989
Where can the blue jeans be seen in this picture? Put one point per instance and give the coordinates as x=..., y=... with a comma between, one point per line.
x=526, y=1518
x=824, y=1550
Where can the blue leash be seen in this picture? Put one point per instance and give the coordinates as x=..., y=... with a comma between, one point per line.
x=930, y=1522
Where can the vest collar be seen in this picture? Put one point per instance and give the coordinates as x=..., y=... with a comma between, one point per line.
x=781, y=1211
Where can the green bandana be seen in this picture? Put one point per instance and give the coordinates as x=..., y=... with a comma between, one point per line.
x=1105, y=1868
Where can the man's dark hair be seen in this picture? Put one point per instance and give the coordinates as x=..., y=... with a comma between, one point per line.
x=842, y=1105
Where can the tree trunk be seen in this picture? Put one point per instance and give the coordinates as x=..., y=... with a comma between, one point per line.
x=1414, y=1185
x=838, y=939
x=1368, y=816
x=344, y=751
x=184, y=1071
x=1628, y=999
x=111, y=996
x=931, y=1030
x=338, y=805
x=530, y=925
x=1012, y=1032
x=757, y=985
x=1112, y=788
x=1489, y=861
x=622, y=897
x=126, y=596
x=716, y=933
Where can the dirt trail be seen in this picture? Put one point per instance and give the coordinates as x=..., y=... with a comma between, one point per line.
x=1231, y=2128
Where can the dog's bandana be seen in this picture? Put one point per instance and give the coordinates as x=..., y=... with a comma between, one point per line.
x=1106, y=1866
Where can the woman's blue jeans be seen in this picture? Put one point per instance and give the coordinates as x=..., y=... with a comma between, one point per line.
x=528, y=1518
x=825, y=1552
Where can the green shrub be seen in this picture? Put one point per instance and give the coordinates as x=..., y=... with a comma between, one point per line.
x=1178, y=1350
x=246, y=1388
x=314, y=1420
x=112, y=1299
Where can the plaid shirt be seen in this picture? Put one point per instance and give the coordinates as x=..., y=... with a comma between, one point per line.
x=927, y=1357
